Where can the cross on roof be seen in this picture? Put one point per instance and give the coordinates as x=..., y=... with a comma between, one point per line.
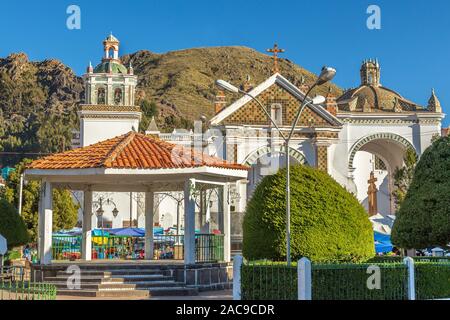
x=275, y=50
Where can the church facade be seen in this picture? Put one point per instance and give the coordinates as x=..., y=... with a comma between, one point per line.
x=359, y=137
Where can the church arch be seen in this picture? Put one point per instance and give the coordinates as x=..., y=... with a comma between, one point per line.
x=389, y=136
x=253, y=157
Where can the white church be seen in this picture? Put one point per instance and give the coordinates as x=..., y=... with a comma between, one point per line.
x=359, y=138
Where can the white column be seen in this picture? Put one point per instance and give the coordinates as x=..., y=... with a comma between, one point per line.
x=411, y=278
x=189, y=222
x=86, y=250
x=237, y=265
x=304, y=279
x=149, y=205
x=226, y=224
x=45, y=223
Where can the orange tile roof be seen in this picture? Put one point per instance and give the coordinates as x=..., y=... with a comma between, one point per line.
x=132, y=151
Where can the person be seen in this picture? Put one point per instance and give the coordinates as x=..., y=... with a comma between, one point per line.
x=27, y=253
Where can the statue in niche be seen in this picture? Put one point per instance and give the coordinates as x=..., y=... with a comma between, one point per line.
x=118, y=96
x=101, y=96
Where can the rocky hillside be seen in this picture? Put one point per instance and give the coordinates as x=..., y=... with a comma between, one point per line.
x=37, y=107
x=182, y=82
x=38, y=100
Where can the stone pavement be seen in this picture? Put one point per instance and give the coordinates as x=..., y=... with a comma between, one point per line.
x=206, y=295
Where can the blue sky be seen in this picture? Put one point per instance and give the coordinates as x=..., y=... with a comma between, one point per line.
x=413, y=45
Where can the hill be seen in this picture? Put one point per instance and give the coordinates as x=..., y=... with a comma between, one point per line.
x=182, y=82
x=38, y=100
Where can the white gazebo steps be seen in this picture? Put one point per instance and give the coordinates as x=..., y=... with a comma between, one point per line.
x=123, y=282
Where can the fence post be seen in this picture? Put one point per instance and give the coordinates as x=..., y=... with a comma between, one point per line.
x=237, y=263
x=304, y=279
x=409, y=262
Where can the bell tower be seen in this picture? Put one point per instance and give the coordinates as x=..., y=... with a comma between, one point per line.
x=111, y=48
x=109, y=108
x=370, y=73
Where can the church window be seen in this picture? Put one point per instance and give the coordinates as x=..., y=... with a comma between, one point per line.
x=276, y=112
x=101, y=96
x=379, y=164
x=111, y=53
x=118, y=96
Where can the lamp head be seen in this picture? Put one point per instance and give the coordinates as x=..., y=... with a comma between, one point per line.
x=227, y=86
x=115, y=212
x=326, y=75
x=318, y=100
x=99, y=212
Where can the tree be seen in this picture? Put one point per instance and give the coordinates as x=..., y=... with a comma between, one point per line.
x=327, y=222
x=12, y=226
x=65, y=211
x=423, y=218
x=403, y=176
x=149, y=110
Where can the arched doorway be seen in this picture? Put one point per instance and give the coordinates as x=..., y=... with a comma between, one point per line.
x=266, y=161
x=381, y=153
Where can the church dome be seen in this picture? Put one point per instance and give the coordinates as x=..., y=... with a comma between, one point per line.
x=371, y=96
x=111, y=66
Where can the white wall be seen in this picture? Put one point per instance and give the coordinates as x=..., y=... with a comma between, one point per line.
x=96, y=130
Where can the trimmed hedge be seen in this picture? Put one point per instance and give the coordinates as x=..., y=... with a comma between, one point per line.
x=12, y=226
x=432, y=280
x=327, y=222
x=423, y=218
x=276, y=281
x=268, y=281
x=349, y=282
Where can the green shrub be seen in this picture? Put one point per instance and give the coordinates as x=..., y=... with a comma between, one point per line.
x=327, y=222
x=432, y=280
x=13, y=255
x=268, y=281
x=349, y=282
x=422, y=220
x=12, y=226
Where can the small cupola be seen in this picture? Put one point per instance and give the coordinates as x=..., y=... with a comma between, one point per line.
x=434, y=105
x=111, y=48
x=370, y=73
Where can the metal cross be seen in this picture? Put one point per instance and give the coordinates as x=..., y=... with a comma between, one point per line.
x=275, y=50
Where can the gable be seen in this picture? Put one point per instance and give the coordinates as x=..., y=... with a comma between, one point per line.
x=276, y=90
x=251, y=114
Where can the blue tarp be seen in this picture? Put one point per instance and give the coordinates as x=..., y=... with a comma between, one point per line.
x=382, y=243
x=99, y=233
x=127, y=232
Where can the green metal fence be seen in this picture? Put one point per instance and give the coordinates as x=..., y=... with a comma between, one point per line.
x=352, y=282
x=263, y=280
x=66, y=247
x=26, y=290
x=209, y=247
x=275, y=280
x=432, y=280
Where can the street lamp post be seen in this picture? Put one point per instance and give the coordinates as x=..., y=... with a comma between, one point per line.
x=99, y=213
x=326, y=75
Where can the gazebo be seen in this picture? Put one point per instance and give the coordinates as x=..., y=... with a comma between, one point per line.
x=133, y=162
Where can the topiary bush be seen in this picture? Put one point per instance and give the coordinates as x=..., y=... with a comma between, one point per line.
x=423, y=218
x=327, y=222
x=12, y=226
